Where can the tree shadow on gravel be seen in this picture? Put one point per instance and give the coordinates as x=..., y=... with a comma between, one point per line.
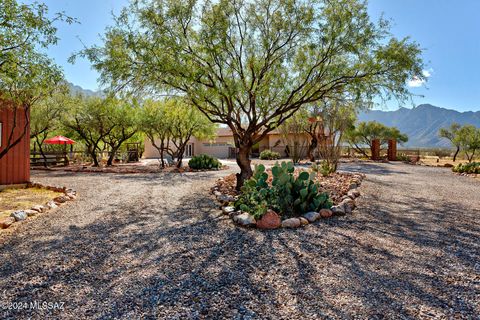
x=190, y=261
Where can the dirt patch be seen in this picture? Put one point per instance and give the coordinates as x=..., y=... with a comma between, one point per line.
x=23, y=198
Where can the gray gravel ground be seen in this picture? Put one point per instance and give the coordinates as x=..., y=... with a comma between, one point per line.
x=154, y=246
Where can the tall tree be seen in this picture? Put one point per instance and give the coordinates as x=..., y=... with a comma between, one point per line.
x=452, y=135
x=252, y=64
x=26, y=72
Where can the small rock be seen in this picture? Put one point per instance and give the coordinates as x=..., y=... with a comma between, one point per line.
x=338, y=210
x=224, y=198
x=217, y=193
x=244, y=219
x=326, y=213
x=349, y=205
x=38, y=208
x=270, y=220
x=312, y=216
x=228, y=210
x=291, y=223
x=31, y=213
x=61, y=199
x=6, y=222
x=71, y=196
x=51, y=204
x=355, y=192
x=346, y=197
x=19, y=215
x=352, y=186
x=351, y=194
x=303, y=221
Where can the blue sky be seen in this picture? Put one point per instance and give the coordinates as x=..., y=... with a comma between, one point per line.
x=448, y=31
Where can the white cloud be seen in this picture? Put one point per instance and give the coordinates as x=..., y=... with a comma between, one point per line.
x=416, y=82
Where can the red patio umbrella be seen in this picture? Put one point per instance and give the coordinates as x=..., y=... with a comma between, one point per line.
x=59, y=140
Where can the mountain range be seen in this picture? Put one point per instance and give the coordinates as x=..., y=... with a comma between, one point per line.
x=422, y=123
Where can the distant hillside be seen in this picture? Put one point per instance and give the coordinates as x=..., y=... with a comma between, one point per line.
x=422, y=123
x=74, y=89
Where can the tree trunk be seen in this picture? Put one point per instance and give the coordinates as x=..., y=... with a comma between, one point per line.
x=456, y=154
x=311, y=149
x=111, y=156
x=93, y=154
x=243, y=161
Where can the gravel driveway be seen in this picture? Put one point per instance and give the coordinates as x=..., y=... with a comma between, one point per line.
x=154, y=246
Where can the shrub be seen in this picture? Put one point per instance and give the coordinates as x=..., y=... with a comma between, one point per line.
x=204, y=161
x=324, y=168
x=288, y=195
x=269, y=155
x=472, y=167
x=403, y=157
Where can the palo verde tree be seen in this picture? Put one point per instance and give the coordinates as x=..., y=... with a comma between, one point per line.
x=365, y=132
x=451, y=134
x=26, y=73
x=252, y=64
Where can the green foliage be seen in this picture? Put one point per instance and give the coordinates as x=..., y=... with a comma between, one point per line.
x=169, y=125
x=204, y=161
x=468, y=137
x=269, y=155
x=288, y=195
x=403, y=157
x=259, y=61
x=324, y=168
x=365, y=132
x=471, y=167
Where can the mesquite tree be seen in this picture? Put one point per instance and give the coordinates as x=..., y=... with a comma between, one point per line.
x=451, y=134
x=26, y=73
x=252, y=64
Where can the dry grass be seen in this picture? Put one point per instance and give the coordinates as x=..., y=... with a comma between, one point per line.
x=23, y=198
x=440, y=162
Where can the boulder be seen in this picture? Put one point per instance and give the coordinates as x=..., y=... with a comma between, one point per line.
x=244, y=219
x=312, y=216
x=270, y=220
x=19, y=215
x=6, y=222
x=326, y=213
x=228, y=210
x=38, y=208
x=338, y=210
x=303, y=221
x=31, y=213
x=291, y=223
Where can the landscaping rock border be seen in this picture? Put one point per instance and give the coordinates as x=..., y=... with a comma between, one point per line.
x=271, y=220
x=21, y=215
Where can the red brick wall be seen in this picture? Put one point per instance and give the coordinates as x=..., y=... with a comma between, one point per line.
x=15, y=165
x=392, y=150
x=375, y=149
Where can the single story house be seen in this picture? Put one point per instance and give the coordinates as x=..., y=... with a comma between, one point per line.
x=223, y=145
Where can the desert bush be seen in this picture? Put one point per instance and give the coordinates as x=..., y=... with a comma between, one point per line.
x=269, y=155
x=324, y=168
x=403, y=157
x=472, y=167
x=204, y=161
x=288, y=195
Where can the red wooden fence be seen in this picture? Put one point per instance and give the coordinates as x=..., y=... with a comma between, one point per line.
x=15, y=165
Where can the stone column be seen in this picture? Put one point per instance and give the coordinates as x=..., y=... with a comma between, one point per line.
x=375, y=149
x=392, y=150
